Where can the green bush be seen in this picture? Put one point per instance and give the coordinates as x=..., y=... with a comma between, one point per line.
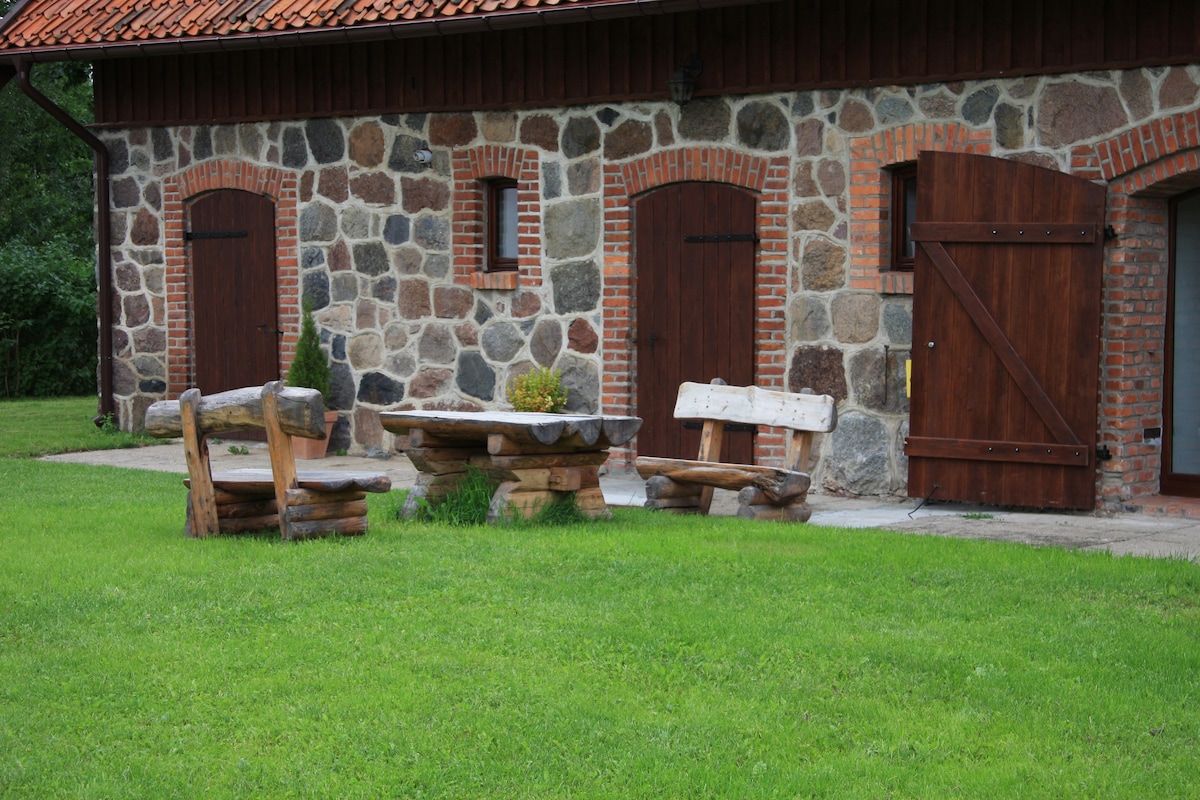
x=47, y=321
x=466, y=505
x=310, y=367
x=538, y=390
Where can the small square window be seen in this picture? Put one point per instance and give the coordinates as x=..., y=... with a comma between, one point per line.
x=904, y=214
x=501, y=225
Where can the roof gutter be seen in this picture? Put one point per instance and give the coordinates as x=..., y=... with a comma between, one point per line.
x=104, y=300
x=368, y=32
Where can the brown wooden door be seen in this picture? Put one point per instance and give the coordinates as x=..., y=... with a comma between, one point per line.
x=694, y=249
x=231, y=236
x=1006, y=327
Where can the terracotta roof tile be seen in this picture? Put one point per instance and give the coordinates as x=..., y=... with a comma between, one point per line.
x=54, y=24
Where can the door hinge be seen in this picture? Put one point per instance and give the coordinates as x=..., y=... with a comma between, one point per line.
x=189, y=235
x=729, y=426
x=1103, y=453
x=721, y=237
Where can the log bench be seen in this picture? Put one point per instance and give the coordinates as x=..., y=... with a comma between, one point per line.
x=300, y=504
x=686, y=486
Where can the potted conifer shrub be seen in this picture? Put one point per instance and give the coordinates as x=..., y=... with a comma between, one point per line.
x=310, y=370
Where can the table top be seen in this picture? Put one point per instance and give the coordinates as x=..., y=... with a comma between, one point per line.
x=590, y=429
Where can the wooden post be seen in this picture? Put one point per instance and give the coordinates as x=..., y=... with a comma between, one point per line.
x=279, y=446
x=202, y=503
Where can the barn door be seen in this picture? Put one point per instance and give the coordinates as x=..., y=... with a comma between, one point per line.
x=694, y=249
x=1006, y=326
x=231, y=236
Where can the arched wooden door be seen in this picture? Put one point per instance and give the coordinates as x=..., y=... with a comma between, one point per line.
x=231, y=236
x=694, y=251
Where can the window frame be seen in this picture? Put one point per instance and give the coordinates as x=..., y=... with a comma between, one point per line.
x=493, y=261
x=903, y=175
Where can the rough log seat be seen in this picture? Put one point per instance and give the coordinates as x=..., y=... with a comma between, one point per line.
x=764, y=492
x=314, y=502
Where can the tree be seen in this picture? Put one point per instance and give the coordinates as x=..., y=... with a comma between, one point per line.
x=46, y=178
x=47, y=245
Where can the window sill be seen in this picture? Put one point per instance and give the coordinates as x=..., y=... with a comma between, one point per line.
x=894, y=282
x=495, y=280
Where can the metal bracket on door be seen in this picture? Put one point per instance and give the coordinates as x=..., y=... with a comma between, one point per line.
x=721, y=237
x=740, y=427
x=189, y=235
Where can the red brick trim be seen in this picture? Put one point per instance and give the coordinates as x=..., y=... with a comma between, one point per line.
x=178, y=190
x=470, y=167
x=870, y=194
x=1135, y=148
x=768, y=177
x=1143, y=166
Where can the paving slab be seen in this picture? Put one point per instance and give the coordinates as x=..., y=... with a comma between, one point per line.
x=1120, y=534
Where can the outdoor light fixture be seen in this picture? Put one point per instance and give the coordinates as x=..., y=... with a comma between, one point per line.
x=683, y=81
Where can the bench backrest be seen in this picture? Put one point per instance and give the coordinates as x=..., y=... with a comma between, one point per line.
x=301, y=413
x=755, y=406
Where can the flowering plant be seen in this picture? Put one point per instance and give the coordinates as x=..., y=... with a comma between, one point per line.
x=540, y=389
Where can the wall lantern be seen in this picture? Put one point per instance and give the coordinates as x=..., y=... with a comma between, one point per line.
x=683, y=81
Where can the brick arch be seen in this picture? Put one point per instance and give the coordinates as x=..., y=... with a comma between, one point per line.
x=178, y=189
x=768, y=177
x=870, y=193
x=470, y=168
x=1144, y=167
x=1137, y=148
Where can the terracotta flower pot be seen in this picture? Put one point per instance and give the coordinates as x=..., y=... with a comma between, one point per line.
x=315, y=448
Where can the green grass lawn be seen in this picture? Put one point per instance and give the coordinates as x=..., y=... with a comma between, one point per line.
x=61, y=425
x=650, y=656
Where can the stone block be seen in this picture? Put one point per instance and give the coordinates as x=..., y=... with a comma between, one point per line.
x=546, y=342
x=501, y=341
x=705, y=119
x=1073, y=111
x=572, y=228
x=380, y=390
x=855, y=317
x=629, y=139
x=580, y=136
x=820, y=369
x=856, y=460
x=475, y=377
x=326, y=140
x=809, y=319
x=366, y=145
x=436, y=345
x=762, y=125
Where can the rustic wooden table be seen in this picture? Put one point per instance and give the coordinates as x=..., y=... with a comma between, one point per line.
x=536, y=457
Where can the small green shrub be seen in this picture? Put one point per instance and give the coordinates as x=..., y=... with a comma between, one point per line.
x=310, y=367
x=538, y=390
x=562, y=512
x=466, y=505
x=470, y=501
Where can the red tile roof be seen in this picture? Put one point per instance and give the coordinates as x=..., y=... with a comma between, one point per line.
x=59, y=26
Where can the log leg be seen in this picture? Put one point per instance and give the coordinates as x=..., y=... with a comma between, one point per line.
x=591, y=502
x=670, y=495
x=202, y=517
x=431, y=488
x=754, y=504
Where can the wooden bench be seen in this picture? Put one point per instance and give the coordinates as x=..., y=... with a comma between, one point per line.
x=300, y=504
x=686, y=486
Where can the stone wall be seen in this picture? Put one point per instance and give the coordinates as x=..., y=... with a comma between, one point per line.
x=386, y=247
